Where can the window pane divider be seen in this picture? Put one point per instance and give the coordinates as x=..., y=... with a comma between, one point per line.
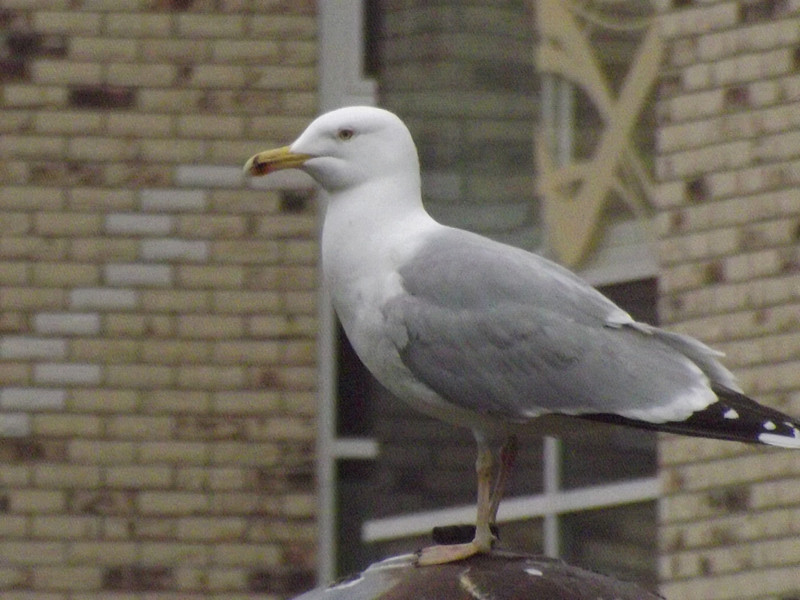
x=515, y=509
x=356, y=448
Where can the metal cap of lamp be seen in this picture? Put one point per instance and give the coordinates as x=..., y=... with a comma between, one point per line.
x=499, y=575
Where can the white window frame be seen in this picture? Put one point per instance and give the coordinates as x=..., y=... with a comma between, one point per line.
x=341, y=84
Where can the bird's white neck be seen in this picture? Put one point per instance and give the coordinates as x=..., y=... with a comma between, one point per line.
x=366, y=234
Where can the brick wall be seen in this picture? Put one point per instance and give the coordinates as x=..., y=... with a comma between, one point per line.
x=158, y=315
x=461, y=75
x=729, y=163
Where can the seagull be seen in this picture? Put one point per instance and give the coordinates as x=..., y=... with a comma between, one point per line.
x=485, y=335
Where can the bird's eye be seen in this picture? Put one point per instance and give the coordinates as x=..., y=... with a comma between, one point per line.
x=345, y=134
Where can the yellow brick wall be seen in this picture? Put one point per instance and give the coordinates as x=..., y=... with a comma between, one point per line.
x=729, y=223
x=157, y=311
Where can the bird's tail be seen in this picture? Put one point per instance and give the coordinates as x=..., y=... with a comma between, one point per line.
x=733, y=417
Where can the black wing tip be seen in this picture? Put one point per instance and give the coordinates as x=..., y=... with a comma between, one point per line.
x=734, y=417
x=767, y=425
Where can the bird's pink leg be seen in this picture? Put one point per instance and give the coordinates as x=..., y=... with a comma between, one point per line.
x=482, y=542
x=508, y=456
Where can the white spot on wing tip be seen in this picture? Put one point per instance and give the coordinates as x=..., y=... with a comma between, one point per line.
x=731, y=414
x=781, y=441
x=770, y=426
x=534, y=572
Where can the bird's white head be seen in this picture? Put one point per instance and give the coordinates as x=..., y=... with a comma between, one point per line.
x=345, y=148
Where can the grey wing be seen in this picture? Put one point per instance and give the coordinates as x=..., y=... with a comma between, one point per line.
x=458, y=269
x=518, y=362
x=496, y=330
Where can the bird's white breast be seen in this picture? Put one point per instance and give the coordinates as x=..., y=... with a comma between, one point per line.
x=360, y=268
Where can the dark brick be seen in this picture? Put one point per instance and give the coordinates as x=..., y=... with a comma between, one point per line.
x=11, y=322
x=102, y=97
x=762, y=10
x=28, y=44
x=185, y=73
x=790, y=260
x=13, y=69
x=209, y=428
x=8, y=17
x=174, y=5
x=285, y=478
x=669, y=84
x=66, y=173
x=676, y=221
x=294, y=202
x=706, y=565
x=714, y=272
x=139, y=174
x=27, y=450
x=723, y=536
x=731, y=499
x=23, y=43
x=138, y=579
x=697, y=190
x=102, y=502
x=737, y=97
x=752, y=239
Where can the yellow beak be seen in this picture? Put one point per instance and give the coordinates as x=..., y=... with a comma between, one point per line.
x=268, y=161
